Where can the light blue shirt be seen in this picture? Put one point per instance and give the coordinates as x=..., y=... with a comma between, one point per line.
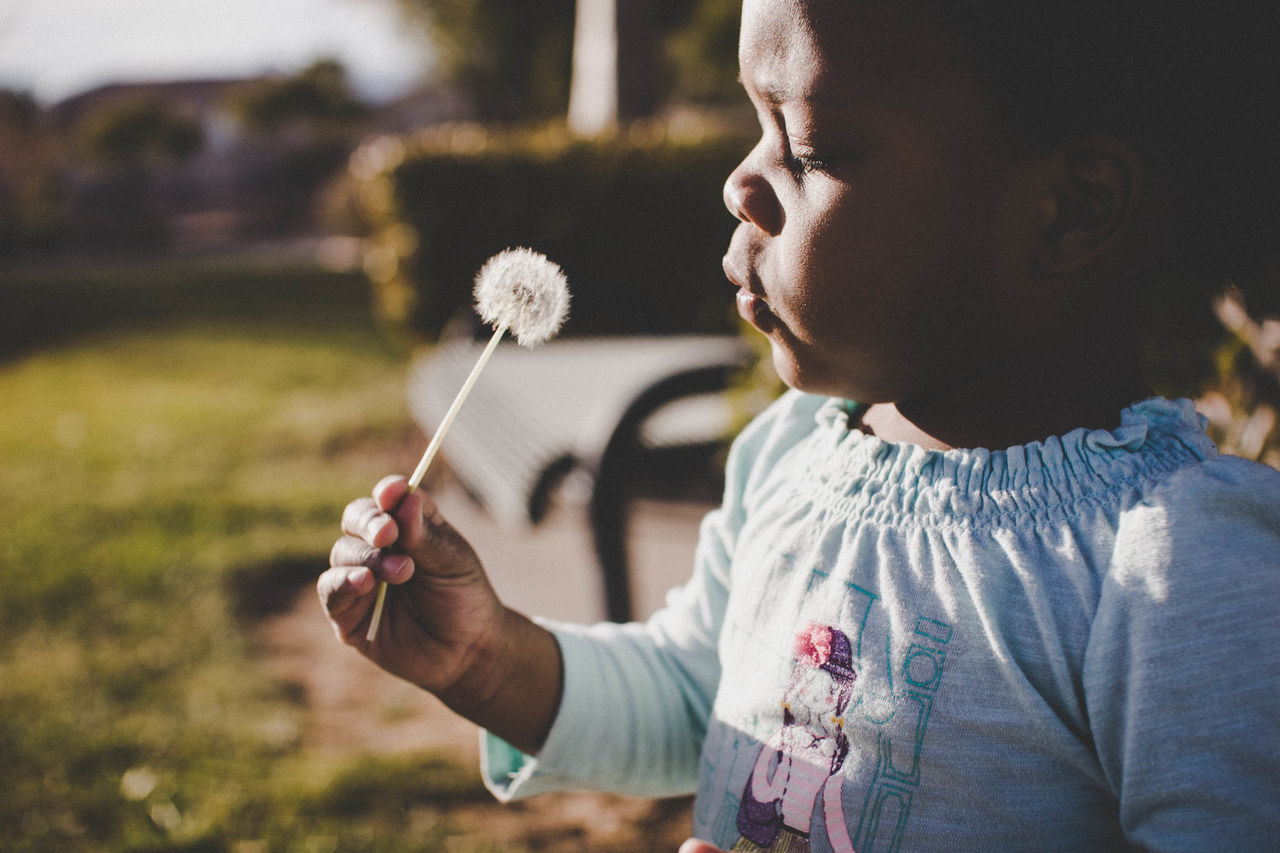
x=1068, y=645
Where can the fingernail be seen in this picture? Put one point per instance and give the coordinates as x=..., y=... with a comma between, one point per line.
x=398, y=566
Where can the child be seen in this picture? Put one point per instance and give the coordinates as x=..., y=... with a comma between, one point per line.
x=1007, y=600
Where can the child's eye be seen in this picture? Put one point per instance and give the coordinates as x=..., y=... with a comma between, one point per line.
x=804, y=164
x=803, y=160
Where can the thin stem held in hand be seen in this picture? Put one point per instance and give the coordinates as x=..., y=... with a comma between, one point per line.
x=432, y=449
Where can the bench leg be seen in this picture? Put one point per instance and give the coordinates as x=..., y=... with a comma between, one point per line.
x=609, y=532
x=617, y=469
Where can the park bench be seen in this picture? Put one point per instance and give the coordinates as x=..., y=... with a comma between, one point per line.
x=597, y=412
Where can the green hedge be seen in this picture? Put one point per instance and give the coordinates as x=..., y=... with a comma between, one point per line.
x=636, y=220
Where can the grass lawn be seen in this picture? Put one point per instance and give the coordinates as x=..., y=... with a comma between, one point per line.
x=179, y=440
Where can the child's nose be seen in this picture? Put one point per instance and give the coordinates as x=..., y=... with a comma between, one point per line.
x=749, y=197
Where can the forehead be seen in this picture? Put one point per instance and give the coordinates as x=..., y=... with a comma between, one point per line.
x=825, y=49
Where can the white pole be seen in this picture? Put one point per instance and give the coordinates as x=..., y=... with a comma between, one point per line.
x=593, y=87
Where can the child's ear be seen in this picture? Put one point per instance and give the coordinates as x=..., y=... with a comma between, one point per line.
x=1092, y=193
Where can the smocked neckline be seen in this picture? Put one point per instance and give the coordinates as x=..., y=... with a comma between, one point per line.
x=870, y=475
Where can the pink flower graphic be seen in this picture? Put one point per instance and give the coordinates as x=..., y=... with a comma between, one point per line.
x=813, y=644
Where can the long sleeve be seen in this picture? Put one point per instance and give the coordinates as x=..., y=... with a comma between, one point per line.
x=637, y=697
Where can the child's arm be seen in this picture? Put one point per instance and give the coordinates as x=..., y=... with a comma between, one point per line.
x=443, y=628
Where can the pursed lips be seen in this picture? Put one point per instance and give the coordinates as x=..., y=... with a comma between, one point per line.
x=752, y=306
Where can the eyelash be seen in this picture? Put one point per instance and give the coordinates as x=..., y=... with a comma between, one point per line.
x=800, y=165
x=797, y=165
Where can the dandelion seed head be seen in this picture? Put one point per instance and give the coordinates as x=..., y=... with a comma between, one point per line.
x=524, y=291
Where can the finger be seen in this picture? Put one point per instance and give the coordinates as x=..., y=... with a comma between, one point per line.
x=392, y=495
x=390, y=491
x=409, y=523
x=394, y=568
x=341, y=586
x=352, y=552
x=408, y=515
x=363, y=518
x=436, y=547
x=346, y=595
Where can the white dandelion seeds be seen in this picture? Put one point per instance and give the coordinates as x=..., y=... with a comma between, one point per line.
x=517, y=290
x=523, y=291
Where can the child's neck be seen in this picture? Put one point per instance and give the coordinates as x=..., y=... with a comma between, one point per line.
x=1028, y=399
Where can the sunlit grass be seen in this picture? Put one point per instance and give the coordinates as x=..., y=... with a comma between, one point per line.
x=162, y=454
x=156, y=474
x=178, y=441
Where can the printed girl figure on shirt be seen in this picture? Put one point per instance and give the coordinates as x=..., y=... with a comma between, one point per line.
x=798, y=771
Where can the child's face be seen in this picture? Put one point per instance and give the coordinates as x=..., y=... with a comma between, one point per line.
x=874, y=248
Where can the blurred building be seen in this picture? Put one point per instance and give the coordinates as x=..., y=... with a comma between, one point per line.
x=184, y=163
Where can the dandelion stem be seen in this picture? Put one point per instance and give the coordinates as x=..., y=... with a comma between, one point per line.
x=432, y=449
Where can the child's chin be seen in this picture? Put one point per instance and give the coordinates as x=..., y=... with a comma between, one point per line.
x=784, y=364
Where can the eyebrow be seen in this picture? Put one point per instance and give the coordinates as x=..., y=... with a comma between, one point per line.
x=778, y=95
x=775, y=95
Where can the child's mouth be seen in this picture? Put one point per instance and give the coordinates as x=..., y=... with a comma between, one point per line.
x=756, y=311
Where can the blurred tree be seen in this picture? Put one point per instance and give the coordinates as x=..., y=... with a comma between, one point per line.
x=516, y=58
x=302, y=128
x=121, y=172
x=510, y=56
x=150, y=130
x=320, y=96
x=28, y=160
x=18, y=111
x=702, y=48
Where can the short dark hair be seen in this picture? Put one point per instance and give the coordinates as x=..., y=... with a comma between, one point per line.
x=1192, y=85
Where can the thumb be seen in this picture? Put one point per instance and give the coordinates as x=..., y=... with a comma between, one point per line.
x=693, y=845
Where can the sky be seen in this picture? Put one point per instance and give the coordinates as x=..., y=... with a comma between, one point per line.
x=57, y=48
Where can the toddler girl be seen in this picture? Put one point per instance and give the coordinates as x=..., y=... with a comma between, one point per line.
x=972, y=587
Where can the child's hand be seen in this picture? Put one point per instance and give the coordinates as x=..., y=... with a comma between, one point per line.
x=443, y=627
x=440, y=609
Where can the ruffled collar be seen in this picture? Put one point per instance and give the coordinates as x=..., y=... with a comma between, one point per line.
x=1056, y=475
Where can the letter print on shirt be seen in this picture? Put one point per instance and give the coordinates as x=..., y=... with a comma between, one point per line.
x=840, y=772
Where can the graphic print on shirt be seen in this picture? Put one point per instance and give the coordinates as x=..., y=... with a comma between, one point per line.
x=802, y=761
x=840, y=772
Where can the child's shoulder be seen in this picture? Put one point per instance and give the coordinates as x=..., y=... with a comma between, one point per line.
x=1178, y=663
x=1219, y=489
x=789, y=417
x=1218, y=518
x=775, y=431
x=791, y=410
